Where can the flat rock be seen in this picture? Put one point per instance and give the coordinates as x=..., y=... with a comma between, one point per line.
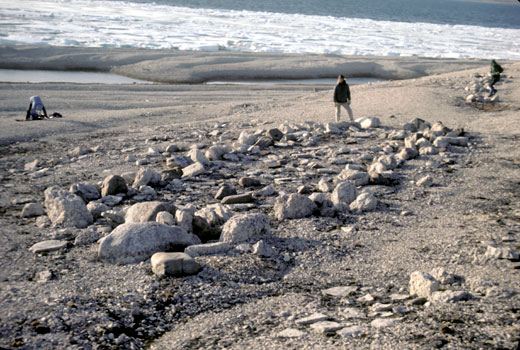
x=314, y=318
x=342, y=291
x=291, y=333
x=207, y=249
x=326, y=326
x=384, y=322
x=351, y=332
x=48, y=246
x=174, y=264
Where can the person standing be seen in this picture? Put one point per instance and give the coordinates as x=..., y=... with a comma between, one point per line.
x=36, y=109
x=496, y=69
x=342, y=98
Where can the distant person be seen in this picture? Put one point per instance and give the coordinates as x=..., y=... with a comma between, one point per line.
x=496, y=69
x=342, y=98
x=36, y=109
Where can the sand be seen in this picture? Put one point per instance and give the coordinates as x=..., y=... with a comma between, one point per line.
x=177, y=97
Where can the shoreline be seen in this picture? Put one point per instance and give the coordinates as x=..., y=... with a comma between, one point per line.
x=196, y=67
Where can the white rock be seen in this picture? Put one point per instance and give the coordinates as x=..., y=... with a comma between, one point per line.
x=351, y=312
x=184, y=219
x=440, y=274
x=247, y=139
x=426, y=181
x=351, y=332
x=369, y=122
x=364, y=202
x=134, y=242
x=384, y=322
x=314, y=318
x=324, y=185
x=423, y=284
x=295, y=206
x=174, y=264
x=31, y=166
x=65, y=208
x=326, y=326
x=198, y=157
x=48, y=246
x=146, y=176
x=356, y=177
x=445, y=141
x=165, y=218
x=207, y=249
x=501, y=253
x=244, y=227
x=145, y=211
x=291, y=333
x=262, y=249
x=341, y=291
x=193, y=170
x=344, y=192
x=450, y=296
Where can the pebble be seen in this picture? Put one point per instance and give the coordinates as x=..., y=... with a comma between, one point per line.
x=48, y=246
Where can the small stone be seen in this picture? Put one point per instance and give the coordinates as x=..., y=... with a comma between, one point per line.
x=351, y=332
x=350, y=312
x=344, y=192
x=48, y=246
x=326, y=326
x=291, y=333
x=32, y=210
x=450, y=296
x=364, y=202
x=174, y=264
x=165, y=218
x=314, y=318
x=341, y=292
x=193, y=170
x=45, y=276
x=262, y=249
x=238, y=199
x=384, y=322
x=423, y=284
x=207, y=249
x=225, y=191
x=113, y=185
x=249, y=182
x=426, y=181
x=31, y=166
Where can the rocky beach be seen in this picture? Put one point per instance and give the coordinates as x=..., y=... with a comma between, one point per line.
x=180, y=215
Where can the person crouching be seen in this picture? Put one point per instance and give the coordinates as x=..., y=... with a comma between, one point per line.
x=342, y=98
x=36, y=109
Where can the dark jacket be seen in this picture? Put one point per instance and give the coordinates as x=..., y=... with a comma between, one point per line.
x=495, y=68
x=342, y=93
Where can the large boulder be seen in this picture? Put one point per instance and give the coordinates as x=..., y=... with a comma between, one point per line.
x=207, y=221
x=146, y=211
x=67, y=209
x=295, y=206
x=244, y=227
x=134, y=242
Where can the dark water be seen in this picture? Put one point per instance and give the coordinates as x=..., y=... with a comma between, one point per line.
x=466, y=12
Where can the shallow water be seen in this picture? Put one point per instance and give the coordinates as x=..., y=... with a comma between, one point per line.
x=46, y=76
x=324, y=81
